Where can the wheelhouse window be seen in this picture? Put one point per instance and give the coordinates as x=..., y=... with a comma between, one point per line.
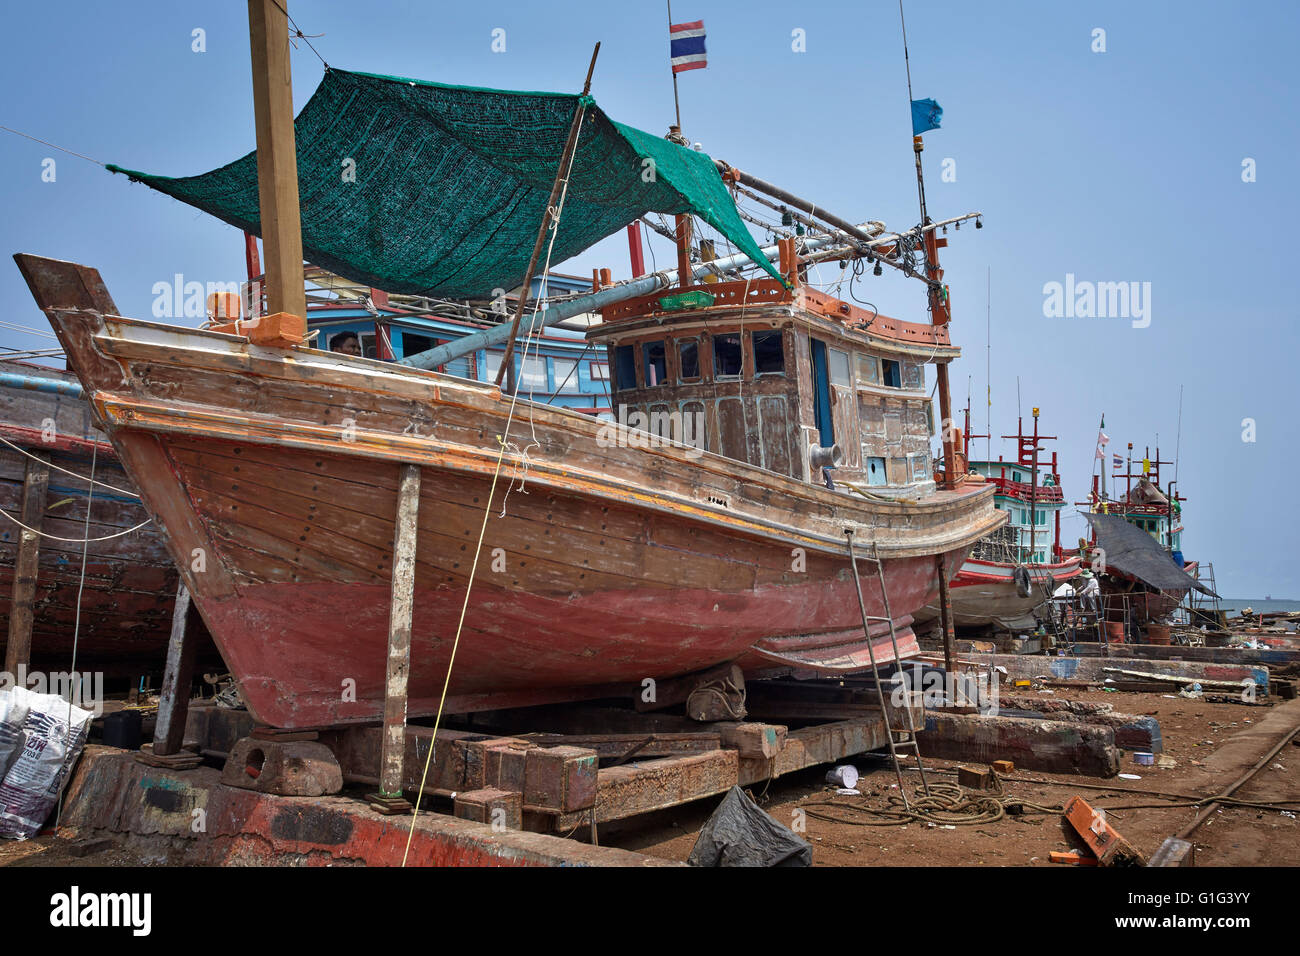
x=868, y=369
x=727, y=355
x=913, y=375
x=599, y=371
x=566, y=376
x=655, y=357
x=624, y=367
x=688, y=359
x=532, y=375
x=769, y=352
x=876, y=471
x=892, y=373
x=838, y=361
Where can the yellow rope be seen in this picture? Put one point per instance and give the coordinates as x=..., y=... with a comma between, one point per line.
x=487, y=510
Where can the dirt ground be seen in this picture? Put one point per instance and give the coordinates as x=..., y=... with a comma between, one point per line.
x=48, y=850
x=1212, y=745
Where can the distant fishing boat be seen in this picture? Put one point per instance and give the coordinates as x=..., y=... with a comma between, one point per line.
x=1143, y=577
x=1011, y=574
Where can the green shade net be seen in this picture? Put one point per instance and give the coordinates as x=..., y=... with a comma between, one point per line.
x=451, y=183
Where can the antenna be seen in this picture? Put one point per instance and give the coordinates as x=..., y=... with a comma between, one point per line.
x=907, y=62
x=988, y=350
x=1179, y=439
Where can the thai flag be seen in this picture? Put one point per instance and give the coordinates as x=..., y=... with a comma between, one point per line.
x=687, y=43
x=1116, y=462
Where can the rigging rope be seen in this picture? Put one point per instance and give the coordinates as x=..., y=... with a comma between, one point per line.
x=93, y=481
x=55, y=537
x=502, y=440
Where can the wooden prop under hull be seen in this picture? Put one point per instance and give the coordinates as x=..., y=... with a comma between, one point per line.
x=274, y=473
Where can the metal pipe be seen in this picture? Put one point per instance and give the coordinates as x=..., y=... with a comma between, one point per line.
x=610, y=295
x=54, y=385
x=812, y=209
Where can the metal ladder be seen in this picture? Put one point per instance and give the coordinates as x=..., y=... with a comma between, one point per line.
x=907, y=736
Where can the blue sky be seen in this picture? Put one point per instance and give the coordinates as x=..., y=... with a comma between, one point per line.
x=1122, y=166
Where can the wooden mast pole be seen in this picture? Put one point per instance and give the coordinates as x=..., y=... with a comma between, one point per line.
x=507, y=368
x=277, y=157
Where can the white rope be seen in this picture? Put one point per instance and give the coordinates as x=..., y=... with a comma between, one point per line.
x=93, y=481
x=55, y=537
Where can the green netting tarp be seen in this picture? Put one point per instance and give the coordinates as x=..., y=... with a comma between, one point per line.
x=451, y=182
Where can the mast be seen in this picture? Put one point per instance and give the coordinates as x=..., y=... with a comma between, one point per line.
x=507, y=368
x=940, y=307
x=1104, y=462
x=277, y=157
x=677, y=106
x=1027, y=447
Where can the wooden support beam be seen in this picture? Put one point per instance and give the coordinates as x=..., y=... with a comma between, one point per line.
x=178, y=674
x=401, y=608
x=636, y=746
x=36, y=484
x=685, y=274
x=277, y=157
x=945, y=613
x=676, y=690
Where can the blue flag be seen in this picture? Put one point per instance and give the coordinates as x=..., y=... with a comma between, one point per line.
x=925, y=116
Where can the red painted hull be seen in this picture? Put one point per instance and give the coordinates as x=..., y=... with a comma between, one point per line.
x=520, y=648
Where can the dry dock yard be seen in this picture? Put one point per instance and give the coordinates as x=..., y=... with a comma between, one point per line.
x=1074, y=771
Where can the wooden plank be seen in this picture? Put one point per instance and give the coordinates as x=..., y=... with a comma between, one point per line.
x=1102, y=839
x=36, y=483
x=277, y=158
x=637, y=746
x=174, y=697
x=401, y=610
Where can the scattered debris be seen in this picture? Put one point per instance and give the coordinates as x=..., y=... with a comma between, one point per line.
x=1078, y=859
x=1107, y=845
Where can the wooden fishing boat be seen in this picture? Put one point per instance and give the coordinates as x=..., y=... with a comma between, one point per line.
x=49, y=441
x=617, y=556
x=363, y=538
x=1158, y=579
x=1008, y=580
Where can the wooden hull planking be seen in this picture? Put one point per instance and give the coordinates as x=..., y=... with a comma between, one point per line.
x=274, y=474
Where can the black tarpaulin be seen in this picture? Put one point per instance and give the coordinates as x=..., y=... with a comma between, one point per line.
x=741, y=834
x=1131, y=551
